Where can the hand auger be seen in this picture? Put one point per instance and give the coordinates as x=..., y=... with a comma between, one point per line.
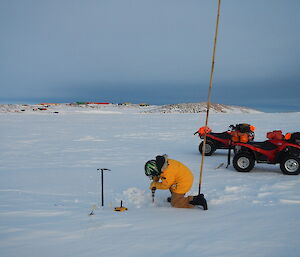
x=102, y=189
x=153, y=193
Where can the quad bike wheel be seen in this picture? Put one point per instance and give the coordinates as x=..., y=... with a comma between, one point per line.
x=243, y=162
x=290, y=165
x=209, y=148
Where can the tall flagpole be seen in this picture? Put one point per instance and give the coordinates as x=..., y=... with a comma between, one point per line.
x=209, y=95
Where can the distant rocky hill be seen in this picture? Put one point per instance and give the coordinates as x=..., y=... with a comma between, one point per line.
x=140, y=108
x=201, y=107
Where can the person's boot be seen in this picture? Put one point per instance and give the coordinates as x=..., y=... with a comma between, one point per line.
x=199, y=200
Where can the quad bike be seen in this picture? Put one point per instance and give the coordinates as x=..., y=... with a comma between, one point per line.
x=224, y=140
x=278, y=149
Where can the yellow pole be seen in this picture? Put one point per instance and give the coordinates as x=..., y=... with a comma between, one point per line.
x=209, y=94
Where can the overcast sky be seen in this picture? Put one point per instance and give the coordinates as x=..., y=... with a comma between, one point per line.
x=155, y=51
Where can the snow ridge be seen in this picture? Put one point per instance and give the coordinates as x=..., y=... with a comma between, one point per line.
x=119, y=108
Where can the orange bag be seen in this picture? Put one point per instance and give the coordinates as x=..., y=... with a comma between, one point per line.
x=252, y=128
x=275, y=135
x=239, y=137
x=288, y=136
x=204, y=130
x=244, y=138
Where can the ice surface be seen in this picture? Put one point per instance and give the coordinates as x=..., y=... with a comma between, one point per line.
x=49, y=183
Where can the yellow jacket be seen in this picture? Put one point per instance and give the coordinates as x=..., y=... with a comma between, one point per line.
x=176, y=177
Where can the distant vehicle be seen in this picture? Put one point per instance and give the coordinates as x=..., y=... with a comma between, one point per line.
x=278, y=149
x=242, y=132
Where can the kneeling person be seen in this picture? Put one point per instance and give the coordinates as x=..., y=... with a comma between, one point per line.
x=175, y=176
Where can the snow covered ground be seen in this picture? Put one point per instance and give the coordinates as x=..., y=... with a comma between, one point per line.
x=49, y=183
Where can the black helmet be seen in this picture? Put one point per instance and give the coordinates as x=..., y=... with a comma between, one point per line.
x=151, y=169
